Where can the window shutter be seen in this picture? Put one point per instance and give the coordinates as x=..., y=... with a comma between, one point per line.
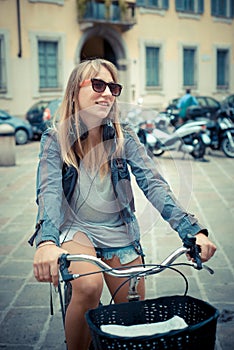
x=200, y=6
x=232, y=8
x=165, y=4
x=140, y=2
x=152, y=66
x=179, y=5
x=213, y=8
x=48, y=64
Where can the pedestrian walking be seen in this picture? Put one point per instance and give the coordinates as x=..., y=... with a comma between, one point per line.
x=184, y=103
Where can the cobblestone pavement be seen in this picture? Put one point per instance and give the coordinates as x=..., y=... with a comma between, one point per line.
x=206, y=189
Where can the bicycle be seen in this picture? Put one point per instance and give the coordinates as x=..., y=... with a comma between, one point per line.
x=200, y=318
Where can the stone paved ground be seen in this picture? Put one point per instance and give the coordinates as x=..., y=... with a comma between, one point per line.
x=204, y=188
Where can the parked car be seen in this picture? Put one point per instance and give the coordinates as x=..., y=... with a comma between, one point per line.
x=228, y=101
x=50, y=113
x=228, y=104
x=34, y=116
x=209, y=106
x=23, y=130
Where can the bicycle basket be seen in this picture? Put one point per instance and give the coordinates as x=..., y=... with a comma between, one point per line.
x=200, y=317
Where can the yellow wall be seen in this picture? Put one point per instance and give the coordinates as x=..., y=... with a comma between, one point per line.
x=168, y=29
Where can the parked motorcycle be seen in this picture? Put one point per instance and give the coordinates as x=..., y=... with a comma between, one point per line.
x=193, y=113
x=220, y=131
x=190, y=139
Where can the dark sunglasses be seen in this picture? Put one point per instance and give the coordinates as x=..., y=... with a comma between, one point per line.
x=99, y=86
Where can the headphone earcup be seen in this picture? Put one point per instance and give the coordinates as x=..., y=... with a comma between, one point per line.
x=109, y=136
x=108, y=131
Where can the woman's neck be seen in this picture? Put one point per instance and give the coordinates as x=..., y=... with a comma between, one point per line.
x=95, y=136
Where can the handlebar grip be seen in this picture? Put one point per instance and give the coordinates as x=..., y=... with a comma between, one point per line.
x=63, y=266
x=194, y=250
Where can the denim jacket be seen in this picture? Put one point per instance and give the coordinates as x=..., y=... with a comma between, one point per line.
x=51, y=199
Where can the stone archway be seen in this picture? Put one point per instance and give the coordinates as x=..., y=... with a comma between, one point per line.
x=97, y=46
x=103, y=41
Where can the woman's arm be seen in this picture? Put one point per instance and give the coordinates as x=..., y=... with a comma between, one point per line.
x=50, y=210
x=49, y=190
x=158, y=192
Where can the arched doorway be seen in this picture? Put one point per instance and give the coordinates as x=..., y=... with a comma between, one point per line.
x=103, y=41
x=97, y=46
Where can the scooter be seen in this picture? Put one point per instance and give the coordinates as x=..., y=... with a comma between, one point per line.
x=220, y=131
x=191, y=139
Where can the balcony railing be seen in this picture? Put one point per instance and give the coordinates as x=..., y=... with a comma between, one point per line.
x=120, y=13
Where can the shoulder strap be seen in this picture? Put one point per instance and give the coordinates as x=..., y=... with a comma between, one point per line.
x=69, y=180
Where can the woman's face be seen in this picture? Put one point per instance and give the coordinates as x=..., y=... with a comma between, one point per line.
x=95, y=105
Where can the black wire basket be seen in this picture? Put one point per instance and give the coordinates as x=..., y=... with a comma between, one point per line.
x=200, y=317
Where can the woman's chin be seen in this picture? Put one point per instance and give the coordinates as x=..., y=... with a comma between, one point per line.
x=95, y=112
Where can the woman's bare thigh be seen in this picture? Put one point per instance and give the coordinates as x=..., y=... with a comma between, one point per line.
x=82, y=245
x=114, y=282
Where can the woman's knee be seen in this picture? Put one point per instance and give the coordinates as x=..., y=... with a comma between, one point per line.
x=88, y=288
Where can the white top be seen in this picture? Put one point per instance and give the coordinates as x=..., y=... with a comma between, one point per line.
x=95, y=211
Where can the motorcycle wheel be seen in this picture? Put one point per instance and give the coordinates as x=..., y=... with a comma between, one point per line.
x=227, y=148
x=199, y=149
x=154, y=152
x=157, y=152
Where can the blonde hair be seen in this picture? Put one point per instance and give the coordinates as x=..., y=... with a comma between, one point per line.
x=70, y=126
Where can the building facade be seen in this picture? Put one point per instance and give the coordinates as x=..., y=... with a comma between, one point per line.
x=161, y=47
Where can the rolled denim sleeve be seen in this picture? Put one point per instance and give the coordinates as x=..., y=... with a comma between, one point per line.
x=157, y=190
x=188, y=226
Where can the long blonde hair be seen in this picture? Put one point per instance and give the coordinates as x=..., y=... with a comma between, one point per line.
x=72, y=142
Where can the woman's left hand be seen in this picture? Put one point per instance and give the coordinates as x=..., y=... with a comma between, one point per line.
x=207, y=247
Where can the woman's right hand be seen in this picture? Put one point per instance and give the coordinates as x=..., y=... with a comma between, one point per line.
x=45, y=263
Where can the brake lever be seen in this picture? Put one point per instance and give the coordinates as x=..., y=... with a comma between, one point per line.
x=63, y=266
x=207, y=268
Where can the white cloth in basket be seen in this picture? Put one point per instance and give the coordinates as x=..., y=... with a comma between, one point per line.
x=138, y=330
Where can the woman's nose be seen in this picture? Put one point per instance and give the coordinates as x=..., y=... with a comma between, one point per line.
x=107, y=91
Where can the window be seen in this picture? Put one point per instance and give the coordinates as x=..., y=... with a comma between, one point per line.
x=3, y=83
x=189, y=66
x=152, y=66
x=48, y=64
x=47, y=50
x=158, y=4
x=222, y=68
x=222, y=8
x=190, y=6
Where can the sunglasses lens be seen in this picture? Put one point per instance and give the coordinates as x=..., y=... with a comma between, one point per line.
x=115, y=89
x=98, y=85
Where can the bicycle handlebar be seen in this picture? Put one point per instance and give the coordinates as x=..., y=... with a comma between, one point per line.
x=189, y=247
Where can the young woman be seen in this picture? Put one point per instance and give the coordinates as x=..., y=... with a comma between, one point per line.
x=97, y=217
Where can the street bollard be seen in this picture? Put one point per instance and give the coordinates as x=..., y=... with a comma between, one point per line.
x=7, y=145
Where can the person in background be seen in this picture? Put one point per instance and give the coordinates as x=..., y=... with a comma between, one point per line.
x=98, y=217
x=185, y=101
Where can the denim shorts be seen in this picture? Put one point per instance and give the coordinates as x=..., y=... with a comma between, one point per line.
x=125, y=254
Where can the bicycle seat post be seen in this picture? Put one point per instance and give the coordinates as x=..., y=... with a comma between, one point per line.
x=132, y=292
